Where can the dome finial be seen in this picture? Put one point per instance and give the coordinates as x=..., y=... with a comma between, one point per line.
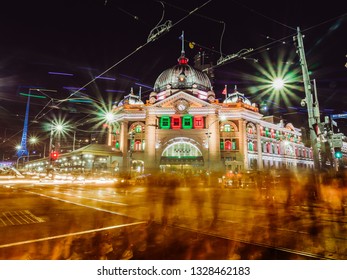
x=182, y=39
x=182, y=59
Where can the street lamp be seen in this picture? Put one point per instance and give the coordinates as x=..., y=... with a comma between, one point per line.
x=58, y=128
x=32, y=141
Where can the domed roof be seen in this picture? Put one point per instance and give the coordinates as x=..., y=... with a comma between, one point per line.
x=131, y=99
x=236, y=97
x=182, y=76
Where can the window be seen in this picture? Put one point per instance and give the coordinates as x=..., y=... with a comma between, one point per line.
x=277, y=135
x=187, y=122
x=198, y=122
x=222, y=145
x=176, y=122
x=117, y=145
x=165, y=122
x=234, y=146
x=227, y=127
x=227, y=145
x=137, y=146
x=262, y=131
x=272, y=133
x=138, y=129
x=267, y=133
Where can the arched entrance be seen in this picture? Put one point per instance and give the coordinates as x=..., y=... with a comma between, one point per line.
x=137, y=167
x=181, y=154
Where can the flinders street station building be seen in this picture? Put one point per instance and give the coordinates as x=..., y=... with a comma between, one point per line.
x=182, y=126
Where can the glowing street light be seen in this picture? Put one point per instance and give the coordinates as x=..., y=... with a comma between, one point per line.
x=33, y=140
x=58, y=127
x=278, y=83
x=109, y=117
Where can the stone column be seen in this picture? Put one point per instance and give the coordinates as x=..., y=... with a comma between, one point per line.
x=214, y=157
x=260, y=149
x=124, y=144
x=150, y=136
x=243, y=142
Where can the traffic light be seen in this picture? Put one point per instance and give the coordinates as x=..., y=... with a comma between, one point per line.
x=54, y=155
x=338, y=153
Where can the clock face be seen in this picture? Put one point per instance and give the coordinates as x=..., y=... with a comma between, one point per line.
x=182, y=106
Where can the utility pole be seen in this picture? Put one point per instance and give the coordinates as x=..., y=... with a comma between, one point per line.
x=312, y=106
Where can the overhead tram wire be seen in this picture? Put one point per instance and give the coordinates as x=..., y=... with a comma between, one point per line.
x=254, y=51
x=324, y=22
x=126, y=57
x=208, y=18
x=260, y=14
x=114, y=65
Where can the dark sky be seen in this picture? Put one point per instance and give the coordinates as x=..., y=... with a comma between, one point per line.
x=85, y=38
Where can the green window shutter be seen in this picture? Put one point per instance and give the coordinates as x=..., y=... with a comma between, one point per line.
x=164, y=122
x=187, y=122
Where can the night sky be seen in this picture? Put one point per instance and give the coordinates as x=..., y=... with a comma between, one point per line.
x=85, y=38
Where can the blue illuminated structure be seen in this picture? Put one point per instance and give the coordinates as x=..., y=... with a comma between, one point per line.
x=23, y=151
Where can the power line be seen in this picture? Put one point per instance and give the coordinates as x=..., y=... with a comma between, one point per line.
x=260, y=14
x=324, y=22
x=123, y=59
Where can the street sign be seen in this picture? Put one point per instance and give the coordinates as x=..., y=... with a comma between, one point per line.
x=339, y=116
x=336, y=140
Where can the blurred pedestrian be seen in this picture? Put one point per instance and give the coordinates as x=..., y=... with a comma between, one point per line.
x=169, y=200
x=215, y=194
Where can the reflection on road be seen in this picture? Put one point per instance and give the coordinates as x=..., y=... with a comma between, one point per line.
x=280, y=216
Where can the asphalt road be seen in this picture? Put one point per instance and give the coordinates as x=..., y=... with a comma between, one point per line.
x=78, y=220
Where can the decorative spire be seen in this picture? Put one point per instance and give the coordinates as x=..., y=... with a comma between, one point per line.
x=235, y=88
x=182, y=59
x=140, y=92
x=182, y=39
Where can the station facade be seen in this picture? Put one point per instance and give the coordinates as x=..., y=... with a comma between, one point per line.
x=182, y=126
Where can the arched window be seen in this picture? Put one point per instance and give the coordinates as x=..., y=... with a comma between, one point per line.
x=251, y=129
x=264, y=147
x=227, y=127
x=272, y=133
x=267, y=133
x=138, y=129
x=268, y=147
x=137, y=145
x=181, y=149
x=262, y=132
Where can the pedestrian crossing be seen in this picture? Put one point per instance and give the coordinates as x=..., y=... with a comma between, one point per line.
x=19, y=217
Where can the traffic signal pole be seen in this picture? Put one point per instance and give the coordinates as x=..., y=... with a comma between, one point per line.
x=312, y=106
